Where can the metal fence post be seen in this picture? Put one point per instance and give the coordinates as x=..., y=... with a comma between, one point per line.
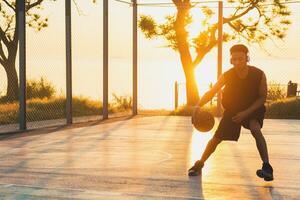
x=135, y=51
x=68, y=62
x=105, y=60
x=22, y=62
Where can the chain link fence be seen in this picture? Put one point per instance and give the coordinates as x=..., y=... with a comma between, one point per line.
x=9, y=99
x=159, y=68
x=120, y=60
x=45, y=69
x=46, y=99
x=87, y=67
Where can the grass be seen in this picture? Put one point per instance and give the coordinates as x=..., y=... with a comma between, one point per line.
x=9, y=113
x=54, y=108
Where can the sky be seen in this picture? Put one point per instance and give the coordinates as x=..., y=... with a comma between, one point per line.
x=159, y=67
x=88, y=23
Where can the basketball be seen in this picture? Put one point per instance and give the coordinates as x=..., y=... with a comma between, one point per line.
x=203, y=121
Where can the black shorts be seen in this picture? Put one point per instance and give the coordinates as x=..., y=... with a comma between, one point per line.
x=229, y=130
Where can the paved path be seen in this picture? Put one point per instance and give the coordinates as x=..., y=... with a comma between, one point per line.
x=147, y=158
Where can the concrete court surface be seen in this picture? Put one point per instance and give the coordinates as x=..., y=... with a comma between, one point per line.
x=146, y=158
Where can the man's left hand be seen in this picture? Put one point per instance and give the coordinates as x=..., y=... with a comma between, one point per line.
x=239, y=117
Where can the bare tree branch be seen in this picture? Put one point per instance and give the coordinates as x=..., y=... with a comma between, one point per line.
x=3, y=37
x=2, y=55
x=9, y=5
x=77, y=8
x=2, y=62
x=38, y=2
x=9, y=26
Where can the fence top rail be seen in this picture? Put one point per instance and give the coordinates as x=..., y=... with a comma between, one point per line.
x=196, y=4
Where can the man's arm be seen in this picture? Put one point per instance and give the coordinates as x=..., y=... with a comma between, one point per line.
x=211, y=93
x=263, y=88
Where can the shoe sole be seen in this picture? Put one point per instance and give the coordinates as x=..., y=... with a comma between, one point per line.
x=266, y=176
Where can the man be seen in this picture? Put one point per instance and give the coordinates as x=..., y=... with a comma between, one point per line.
x=243, y=99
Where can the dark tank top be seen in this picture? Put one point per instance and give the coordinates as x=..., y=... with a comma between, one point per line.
x=239, y=94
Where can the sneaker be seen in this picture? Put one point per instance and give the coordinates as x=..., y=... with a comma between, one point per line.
x=266, y=172
x=196, y=169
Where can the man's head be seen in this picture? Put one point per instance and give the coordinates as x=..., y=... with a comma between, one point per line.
x=239, y=55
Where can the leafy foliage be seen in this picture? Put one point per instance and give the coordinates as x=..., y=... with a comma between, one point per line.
x=122, y=103
x=39, y=89
x=275, y=92
x=253, y=21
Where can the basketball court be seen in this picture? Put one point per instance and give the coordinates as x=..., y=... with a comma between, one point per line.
x=145, y=158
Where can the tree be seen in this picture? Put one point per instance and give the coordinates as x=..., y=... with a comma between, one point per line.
x=254, y=21
x=9, y=37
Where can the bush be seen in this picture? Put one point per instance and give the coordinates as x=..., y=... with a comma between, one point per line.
x=288, y=108
x=39, y=89
x=284, y=109
x=275, y=92
x=121, y=103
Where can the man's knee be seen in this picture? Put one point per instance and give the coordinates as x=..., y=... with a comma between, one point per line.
x=256, y=132
x=255, y=129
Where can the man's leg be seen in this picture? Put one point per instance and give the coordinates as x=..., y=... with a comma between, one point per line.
x=210, y=148
x=260, y=140
x=267, y=171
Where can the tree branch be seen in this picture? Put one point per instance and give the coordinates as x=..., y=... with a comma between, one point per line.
x=8, y=27
x=2, y=62
x=238, y=32
x=198, y=59
x=232, y=26
x=234, y=17
x=200, y=55
x=3, y=37
x=212, y=42
x=2, y=55
x=9, y=5
x=38, y=2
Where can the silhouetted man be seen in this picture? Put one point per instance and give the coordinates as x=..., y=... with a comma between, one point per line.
x=243, y=99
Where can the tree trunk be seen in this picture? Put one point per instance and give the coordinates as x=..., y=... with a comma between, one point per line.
x=12, y=82
x=192, y=94
x=183, y=9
